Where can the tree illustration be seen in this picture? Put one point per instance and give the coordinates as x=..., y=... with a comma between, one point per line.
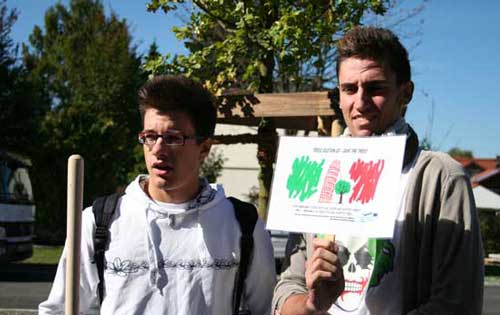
x=341, y=188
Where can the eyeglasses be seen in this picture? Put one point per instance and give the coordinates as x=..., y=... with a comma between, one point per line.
x=172, y=138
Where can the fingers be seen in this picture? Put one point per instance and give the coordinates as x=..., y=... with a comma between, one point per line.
x=326, y=244
x=320, y=269
x=323, y=264
x=324, y=276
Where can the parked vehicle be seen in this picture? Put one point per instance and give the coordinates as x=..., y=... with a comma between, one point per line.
x=279, y=240
x=17, y=208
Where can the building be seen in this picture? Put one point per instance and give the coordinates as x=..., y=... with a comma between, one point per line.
x=241, y=168
x=485, y=179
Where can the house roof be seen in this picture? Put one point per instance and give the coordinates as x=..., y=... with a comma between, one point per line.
x=486, y=199
x=485, y=175
x=488, y=168
x=465, y=161
x=484, y=164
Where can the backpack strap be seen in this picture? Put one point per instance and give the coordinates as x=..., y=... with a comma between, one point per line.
x=292, y=246
x=246, y=214
x=103, y=208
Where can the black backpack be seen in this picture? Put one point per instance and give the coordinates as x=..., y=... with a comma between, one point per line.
x=245, y=213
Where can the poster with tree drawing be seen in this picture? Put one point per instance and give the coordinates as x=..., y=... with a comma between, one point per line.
x=321, y=185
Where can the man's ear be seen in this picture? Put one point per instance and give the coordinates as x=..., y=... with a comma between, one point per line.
x=406, y=96
x=407, y=93
x=205, y=148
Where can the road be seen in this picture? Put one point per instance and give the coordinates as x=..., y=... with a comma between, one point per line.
x=23, y=295
x=24, y=286
x=491, y=300
x=18, y=294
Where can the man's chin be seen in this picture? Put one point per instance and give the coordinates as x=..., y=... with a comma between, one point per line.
x=160, y=183
x=362, y=132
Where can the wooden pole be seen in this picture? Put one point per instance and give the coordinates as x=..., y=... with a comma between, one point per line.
x=73, y=234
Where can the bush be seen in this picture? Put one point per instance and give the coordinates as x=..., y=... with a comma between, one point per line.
x=490, y=231
x=213, y=165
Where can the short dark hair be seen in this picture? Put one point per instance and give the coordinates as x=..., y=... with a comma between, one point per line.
x=378, y=44
x=179, y=93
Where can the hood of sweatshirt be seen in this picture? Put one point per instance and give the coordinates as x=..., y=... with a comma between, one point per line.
x=175, y=214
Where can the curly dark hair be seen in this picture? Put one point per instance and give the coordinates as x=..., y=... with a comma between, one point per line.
x=179, y=93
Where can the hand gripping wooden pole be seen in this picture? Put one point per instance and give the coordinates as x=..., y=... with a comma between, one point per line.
x=329, y=237
x=73, y=234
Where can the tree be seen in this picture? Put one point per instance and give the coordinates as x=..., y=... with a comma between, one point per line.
x=7, y=47
x=342, y=187
x=19, y=114
x=88, y=74
x=213, y=165
x=457, y=152
x=264, y=46
x=490, y=231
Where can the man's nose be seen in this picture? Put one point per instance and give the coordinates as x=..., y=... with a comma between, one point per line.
x=362, y=101
x=159, y=146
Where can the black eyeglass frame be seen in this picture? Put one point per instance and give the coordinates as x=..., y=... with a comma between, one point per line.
x=142, y=138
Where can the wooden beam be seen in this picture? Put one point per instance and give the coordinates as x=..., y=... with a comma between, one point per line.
x=299, y=123
x=242, y=138
x=301, y=104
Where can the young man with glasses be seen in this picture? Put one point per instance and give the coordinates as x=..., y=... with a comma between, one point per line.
x=174, y=241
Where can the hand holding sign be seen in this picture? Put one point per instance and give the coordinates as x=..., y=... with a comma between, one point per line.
x=324, y=278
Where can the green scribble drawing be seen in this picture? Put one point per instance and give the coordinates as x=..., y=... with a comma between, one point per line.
x=304, y=179
x=342, y=187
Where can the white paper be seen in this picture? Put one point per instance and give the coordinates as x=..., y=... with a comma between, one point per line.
x=343, y=185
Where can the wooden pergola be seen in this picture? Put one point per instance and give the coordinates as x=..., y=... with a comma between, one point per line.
x=318, y=111
x=297, y=111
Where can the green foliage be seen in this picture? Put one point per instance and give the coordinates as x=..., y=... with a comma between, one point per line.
x=19, y=113
x=490, y=231
x=457, y=152
x=492, y=271
x=87, y=74
x=257, y=44
x=7, y=47
x=213, y=165
x=155, y=63
x=263, y=46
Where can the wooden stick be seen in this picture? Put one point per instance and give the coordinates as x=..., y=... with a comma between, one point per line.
x=73, y=234
x=330, y=237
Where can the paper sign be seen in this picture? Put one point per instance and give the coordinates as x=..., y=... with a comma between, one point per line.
x=337, y=185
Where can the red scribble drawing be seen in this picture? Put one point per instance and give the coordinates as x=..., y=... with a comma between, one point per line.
x=365, y=175
x=329, y=182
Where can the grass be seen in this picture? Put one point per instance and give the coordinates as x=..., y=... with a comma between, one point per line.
x=44, y=255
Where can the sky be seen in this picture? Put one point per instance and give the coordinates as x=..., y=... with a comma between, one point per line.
x=453, y=47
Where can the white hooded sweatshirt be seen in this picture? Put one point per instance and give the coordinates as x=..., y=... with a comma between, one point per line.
x=169, y=259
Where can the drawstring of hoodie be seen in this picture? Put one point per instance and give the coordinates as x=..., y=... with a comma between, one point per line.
x=205, y=195
x=154, y=275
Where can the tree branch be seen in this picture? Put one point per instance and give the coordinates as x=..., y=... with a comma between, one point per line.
x=222, y=22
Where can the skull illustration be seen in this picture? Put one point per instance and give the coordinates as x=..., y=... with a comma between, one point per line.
x=357, y=264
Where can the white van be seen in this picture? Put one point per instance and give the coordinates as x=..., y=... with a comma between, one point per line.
x=17, y=208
